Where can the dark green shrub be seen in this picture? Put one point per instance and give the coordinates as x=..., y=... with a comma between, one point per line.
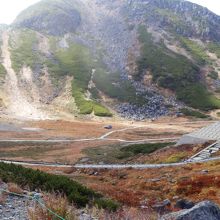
x=35, y=179
x=144, y=148
x=107, y=204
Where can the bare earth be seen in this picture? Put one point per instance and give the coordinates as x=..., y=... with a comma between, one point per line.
x=82, y=135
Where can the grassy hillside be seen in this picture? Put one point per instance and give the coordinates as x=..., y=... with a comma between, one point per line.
x=197, y=51
x=175, y=72
x=198, y=97
x=77, y=61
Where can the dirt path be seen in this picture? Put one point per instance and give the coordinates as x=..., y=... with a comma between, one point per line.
x=108, y=166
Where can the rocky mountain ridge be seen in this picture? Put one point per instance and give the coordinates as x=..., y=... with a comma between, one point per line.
x=142, y=59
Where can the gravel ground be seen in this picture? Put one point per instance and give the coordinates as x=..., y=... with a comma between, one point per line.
x=13, y=207
x=16, y=207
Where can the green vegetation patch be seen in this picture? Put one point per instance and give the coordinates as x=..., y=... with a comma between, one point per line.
x=193, y=113
x=76, y=61
x=198, y=97
x=35, y=179
x=2, y=71
x=112, y=85
x=24, y=50
x=145, y=148
x=169, y=70
x=214, y=47
x=175, y=72
x=197, y=51
x=121, y=154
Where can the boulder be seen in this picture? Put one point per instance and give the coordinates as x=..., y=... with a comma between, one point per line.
x=184, y=204
x=205, y=210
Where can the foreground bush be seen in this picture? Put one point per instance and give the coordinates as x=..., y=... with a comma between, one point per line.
x=56, y=203
x=35, y=179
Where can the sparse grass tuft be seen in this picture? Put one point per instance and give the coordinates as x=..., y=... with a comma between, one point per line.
x=14, y=188
x=58, y=204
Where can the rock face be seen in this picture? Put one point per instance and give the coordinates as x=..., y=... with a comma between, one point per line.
x=202, y=211
x=55, y=18
x=143, y=54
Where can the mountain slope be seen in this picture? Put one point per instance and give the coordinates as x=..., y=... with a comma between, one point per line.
x=140, y=58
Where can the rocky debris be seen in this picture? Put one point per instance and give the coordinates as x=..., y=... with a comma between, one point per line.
x=153, y=110
x=205, y=210
x=155, y=106
x=162, y=207
x=15, y=208
x=184, y=204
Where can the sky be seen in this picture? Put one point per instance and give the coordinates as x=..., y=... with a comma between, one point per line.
x=9, y=9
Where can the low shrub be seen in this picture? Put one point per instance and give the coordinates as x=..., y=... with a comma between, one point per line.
x=101, y=111
x=35, y=179
x=144, y=148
